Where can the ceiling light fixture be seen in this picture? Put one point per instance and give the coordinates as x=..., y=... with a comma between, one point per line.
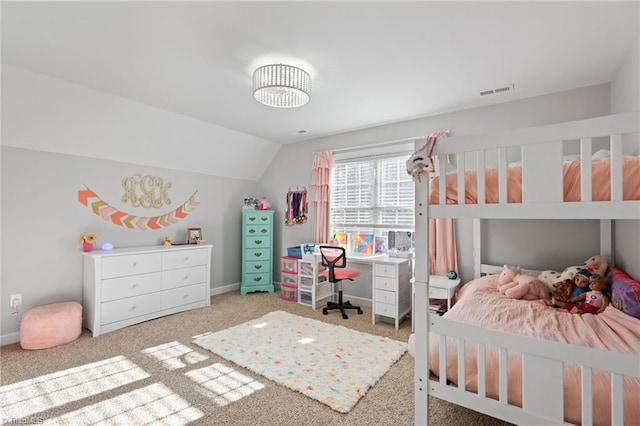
x=281, y=86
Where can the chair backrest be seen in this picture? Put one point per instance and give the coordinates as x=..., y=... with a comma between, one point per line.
x=333, y=257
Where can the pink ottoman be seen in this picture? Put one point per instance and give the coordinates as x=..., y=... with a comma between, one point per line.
x=51, y=325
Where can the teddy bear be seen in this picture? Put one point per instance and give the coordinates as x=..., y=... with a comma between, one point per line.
x=515, y=285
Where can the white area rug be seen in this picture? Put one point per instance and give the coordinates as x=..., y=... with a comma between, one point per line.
x=332, y=364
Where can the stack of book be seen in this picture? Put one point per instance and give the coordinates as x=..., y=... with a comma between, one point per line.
x=437, y=307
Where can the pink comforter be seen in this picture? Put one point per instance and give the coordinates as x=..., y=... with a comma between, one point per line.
x=601, y=176
x=480, y=304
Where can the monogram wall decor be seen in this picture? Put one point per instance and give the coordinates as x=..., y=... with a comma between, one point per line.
x=120, y=218
x=145, y=191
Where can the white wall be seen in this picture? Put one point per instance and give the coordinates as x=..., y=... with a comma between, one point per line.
x=292, y=167
x=50, y=132
x=47, y=114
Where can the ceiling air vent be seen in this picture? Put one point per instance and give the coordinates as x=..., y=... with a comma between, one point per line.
x=497, y=90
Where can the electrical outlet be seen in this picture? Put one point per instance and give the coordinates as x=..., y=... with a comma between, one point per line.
x=15, y=300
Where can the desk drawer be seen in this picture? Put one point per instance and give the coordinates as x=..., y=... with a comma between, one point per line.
x=386, y=309
x=123, y=309
x=184, y=258
x=438, y=293
x=383, y=283
x=386, y=296
x=184, y=295
x=183, y=277
x=134, y=285
x=384, y=270
x=122, y=266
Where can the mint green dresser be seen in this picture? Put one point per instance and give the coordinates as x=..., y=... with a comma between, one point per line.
x=257, y=251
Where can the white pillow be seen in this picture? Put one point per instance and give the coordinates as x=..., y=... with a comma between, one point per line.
x=601, y=154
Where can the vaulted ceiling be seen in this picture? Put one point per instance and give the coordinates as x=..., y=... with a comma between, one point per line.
x=372, y=63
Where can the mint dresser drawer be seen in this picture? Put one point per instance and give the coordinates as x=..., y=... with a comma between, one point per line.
x=258, y=242
x=259, y=266
x=257, y=254
x=257, y=279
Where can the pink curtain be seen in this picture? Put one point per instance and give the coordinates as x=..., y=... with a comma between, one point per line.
x=443, y=255
x=442, y=247
x=322, y=165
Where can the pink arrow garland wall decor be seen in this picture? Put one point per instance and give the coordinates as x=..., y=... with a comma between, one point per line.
x=117, y=217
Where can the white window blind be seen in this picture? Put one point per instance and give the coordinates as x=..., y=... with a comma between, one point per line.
x=372, y=194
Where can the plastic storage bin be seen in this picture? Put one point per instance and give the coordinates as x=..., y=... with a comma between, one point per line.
x=289, y=264
x=289, y=278
x=295, y=251
x=289, y=293
x=305, y=298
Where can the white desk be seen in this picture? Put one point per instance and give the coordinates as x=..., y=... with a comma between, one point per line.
x=390, y=283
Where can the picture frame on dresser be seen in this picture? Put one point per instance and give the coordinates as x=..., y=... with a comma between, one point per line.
x=194, y=235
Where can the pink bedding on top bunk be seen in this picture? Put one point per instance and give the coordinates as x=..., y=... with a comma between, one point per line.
x=601, y=175
x=481, y=304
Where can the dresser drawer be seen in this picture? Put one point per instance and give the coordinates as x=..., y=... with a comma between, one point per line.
x=438, y=293
x=256, y=279
x=184, y=258
x=258, y=242
x=258, y=218
x=133, y=285
x=386, y=296
x=257, y=231
x=184, y=295
x=121, y=266
x=384, y=283
x=258, y=254
x=259, y=266
x=136, y=306
x=183, y=277
x=386, y=309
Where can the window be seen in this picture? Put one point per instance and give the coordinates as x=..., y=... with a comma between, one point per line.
x=371, y=195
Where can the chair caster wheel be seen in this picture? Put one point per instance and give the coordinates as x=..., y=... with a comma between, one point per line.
x=324, y=311
x=359, y=311
x=345, y=316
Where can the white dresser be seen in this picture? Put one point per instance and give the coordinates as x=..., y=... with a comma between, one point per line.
x=123, y=287
x=391, y=288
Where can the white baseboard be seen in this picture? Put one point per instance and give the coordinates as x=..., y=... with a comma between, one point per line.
x=225, y=289
x=9, y=338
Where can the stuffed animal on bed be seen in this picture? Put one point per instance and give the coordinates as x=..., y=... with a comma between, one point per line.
x=515, y=285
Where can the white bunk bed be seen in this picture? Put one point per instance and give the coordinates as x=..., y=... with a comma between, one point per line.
x=541, y=150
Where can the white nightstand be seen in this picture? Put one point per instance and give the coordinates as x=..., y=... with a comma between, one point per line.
x=443, y=288
x=439, y=288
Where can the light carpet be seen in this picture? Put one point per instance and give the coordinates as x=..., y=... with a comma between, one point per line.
x=332, y=364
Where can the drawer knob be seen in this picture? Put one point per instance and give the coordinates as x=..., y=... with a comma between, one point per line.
x=258, y=267
x=185, y=259
x=257, y=254
x=135, y=264
x=264, y=231
x=264, y=219
x=258, y=241
x=257, y=279
x=133, y=308
x=252, y=219
x=134, y=286
x=185, y=296
x=186, y=277
x=252, y=231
